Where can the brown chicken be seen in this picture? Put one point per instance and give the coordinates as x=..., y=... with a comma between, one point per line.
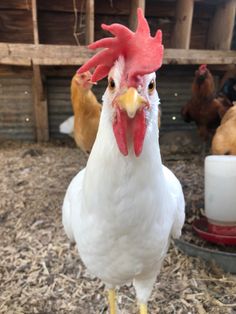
x=224, y=141
x=86, y=109
x=204, y=108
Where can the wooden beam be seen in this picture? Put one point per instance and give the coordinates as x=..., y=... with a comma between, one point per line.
x=40, y=99
x=40, y=106
x=222, y=25
x=26, y=54
x=35, y=22
x=195, y=56
x=89, y=22
x=133, y=12
x=58, y=55
x=13, y=71
x=181, y=35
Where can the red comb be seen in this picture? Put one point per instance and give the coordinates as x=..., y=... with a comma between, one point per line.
x=203, y=67
x=142, y=53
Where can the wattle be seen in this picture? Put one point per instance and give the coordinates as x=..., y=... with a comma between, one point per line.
x=137, y=126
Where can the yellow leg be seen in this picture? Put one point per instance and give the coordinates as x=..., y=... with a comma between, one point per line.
x=112, y=301
x=143, y=309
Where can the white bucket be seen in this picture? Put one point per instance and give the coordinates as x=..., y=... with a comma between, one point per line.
x=220, y=189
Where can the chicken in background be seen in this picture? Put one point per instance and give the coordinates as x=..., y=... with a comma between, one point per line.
x=124, y=207
x=224, y=140
x=204, y=108
x=230, y=73
x=83, y=125
x=229, y=89
x=67, y=127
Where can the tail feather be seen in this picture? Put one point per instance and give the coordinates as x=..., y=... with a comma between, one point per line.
x=67, y=127
x=71, y=205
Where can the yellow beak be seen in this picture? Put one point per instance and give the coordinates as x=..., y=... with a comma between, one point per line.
x=131, y=101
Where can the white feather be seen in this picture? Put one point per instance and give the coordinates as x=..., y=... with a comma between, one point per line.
x=67, y=127
x=121, y=211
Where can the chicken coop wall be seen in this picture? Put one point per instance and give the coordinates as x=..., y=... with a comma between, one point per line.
x=16, y=99
x=172, y=96
x=16, y=110
x=63, y=22
x=33, y=36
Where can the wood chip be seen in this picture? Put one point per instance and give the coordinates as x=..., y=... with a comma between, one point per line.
x=41, y=273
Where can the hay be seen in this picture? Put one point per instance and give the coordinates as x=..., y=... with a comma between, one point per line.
x=41, y=273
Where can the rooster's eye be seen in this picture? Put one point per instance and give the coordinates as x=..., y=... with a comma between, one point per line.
x=151, y=86
x=111, y=84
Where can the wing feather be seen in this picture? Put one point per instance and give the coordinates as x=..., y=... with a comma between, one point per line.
x=71, y=203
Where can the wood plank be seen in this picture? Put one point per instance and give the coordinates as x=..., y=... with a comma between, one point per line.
x=54, y=55
x=26, y=54
x=212, y=2
x=221, y=27
x=191, y=56
x=16, y=117
x=60, y=5
x=15, y=71
x=40, y=99
x=183, y=24
x=40, y=106
x=152, y=8
x=199, y=33
x=161, y=8
x=118, y=7
x=16, y=26
x=133, y=12
x=8, y=54
x=89, y=22
x=15, y=4
x=35, y=22
x=58, y=28
x=56, y=25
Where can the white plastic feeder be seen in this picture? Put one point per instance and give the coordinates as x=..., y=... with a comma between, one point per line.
x=220, y=189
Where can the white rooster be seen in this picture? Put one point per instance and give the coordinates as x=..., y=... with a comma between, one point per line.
x=125, y=205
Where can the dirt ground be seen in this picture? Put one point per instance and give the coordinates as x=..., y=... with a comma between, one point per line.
x=40, y=272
